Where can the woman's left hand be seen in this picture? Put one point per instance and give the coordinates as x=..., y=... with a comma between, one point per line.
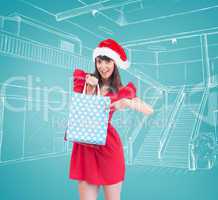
x=120, y=104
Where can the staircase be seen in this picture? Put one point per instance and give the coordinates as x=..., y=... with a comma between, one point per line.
x=176, y=153
x=148, y=152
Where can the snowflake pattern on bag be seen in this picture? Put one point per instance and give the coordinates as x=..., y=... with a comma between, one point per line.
x=88, y=119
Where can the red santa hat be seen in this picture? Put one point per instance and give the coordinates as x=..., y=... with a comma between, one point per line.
x=113, y=50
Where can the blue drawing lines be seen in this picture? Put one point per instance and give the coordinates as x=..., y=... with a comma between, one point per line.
x=174, y=65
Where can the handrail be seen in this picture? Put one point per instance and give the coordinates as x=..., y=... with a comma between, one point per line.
x=2, y=123
x=166, y=132
x=216, y=147
x=196, y=128
x=195, y=131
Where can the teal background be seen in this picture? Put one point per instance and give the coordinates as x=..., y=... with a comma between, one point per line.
x=169, y=43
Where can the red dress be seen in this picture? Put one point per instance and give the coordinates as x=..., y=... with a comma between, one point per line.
x=101, y=165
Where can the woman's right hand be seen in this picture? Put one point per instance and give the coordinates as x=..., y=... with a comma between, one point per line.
x=91, y=80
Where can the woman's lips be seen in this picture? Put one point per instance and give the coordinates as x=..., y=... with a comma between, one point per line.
x=104, y=72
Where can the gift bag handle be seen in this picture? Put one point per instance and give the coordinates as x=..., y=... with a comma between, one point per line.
x=98, y=89
x=98, y=92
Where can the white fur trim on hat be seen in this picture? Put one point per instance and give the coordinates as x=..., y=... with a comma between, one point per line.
x=105, y=51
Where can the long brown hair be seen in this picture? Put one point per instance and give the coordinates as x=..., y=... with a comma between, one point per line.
x=114, y=80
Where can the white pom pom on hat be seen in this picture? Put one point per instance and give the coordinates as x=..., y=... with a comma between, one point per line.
x=113, y=50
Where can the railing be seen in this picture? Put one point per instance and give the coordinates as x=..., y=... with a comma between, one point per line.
x=39, y=52
x=166, y=132
x=195, y=130
x=1, y=125
x=216, y=147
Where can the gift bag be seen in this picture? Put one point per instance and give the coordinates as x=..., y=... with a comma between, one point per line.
x=88, y=118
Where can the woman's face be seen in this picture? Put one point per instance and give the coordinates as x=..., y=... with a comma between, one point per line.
x=104, y=67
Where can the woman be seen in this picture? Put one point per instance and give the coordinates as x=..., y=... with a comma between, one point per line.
x=94, y=165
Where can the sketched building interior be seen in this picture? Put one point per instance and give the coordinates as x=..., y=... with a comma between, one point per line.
x=175, y=70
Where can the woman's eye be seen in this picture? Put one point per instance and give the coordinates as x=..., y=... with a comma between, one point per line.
x=108, y=62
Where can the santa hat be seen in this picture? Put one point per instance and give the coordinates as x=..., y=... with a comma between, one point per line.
x=113, y=50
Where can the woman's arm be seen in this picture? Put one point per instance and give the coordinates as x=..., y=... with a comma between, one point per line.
x=134, y=104
x=139, y=105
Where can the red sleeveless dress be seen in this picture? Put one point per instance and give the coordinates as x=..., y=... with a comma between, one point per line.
x=100, y=165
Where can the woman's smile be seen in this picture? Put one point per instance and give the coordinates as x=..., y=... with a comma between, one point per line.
x=104, y=73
